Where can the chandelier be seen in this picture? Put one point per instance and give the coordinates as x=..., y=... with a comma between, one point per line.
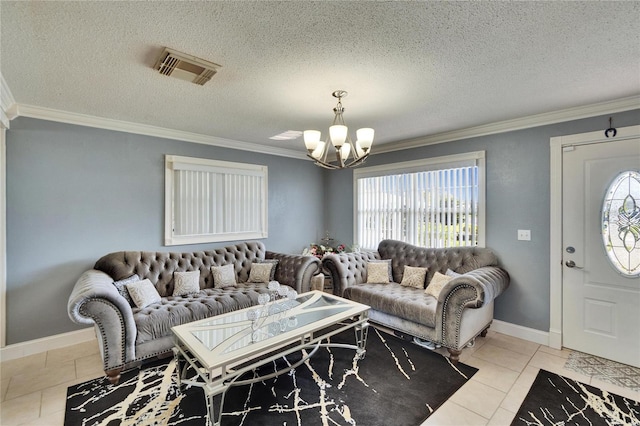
x=344, y=148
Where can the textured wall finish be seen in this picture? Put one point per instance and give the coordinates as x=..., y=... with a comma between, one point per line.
x=75, y=194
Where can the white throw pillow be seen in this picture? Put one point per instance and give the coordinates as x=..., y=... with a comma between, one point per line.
x=413, y=276
x=143, y=293
x=452, y=274
x=260, y=272
x=186, y=283
x=224, y=276
x=437, y=283
x=378, y=272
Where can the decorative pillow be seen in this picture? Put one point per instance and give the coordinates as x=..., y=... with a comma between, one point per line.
x=186, y=283
x=451, y=273
x=378, y=272
x=223, y=276
x=122, y=289
x=413, y=276
x=143, y=293
x=437, y=282
x=386, y=262
x=261, y=272
x=274, y=262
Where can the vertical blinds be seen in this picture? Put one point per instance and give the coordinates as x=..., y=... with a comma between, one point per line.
x=213, y=203
x=216, y=202
x=434, y=208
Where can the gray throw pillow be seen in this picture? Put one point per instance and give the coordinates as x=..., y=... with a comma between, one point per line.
x=122, y=289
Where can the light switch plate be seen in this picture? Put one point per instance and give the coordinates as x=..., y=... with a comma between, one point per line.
x=524, y=235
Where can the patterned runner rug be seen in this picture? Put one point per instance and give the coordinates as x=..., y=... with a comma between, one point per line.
x=396, y=383
x=605, y=370
x=558, y=400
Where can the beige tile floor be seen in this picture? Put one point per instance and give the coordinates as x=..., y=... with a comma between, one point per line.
x=34, y=387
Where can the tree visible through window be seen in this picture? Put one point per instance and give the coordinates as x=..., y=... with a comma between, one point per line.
x=430, y=203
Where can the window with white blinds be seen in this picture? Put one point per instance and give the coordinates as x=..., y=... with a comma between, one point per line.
x=436, y=202
x=213, y=201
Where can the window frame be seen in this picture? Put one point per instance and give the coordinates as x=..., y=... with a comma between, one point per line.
x=176, y=162
x=428, y=164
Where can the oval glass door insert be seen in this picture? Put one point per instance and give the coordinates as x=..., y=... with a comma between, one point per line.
x=621, y=223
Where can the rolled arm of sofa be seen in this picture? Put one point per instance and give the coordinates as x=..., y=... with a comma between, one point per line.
x=295, y=270
x=472, y=290
x=347, y=269
x=95, y=300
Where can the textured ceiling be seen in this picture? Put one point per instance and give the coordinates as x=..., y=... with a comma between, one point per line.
x=411, y=68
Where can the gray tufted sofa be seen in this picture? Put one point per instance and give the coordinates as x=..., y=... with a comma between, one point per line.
x=463, y=310
x=128, y=335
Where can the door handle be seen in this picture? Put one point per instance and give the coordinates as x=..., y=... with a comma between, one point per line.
x=572, y=264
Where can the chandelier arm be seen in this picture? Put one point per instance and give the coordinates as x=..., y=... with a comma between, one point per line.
x=328, y=166
x=358, y=161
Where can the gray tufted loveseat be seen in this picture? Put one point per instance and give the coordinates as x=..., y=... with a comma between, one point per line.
x=128, y=335
x=463, y=309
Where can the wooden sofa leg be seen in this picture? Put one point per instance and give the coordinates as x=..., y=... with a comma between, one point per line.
x=484, y=332
x=454, y=355
x=113, y=375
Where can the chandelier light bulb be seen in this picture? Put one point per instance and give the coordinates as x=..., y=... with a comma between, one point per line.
x=311, y=139
x=338, y=134
x=317, y=153
x=365, y=138
x=344, y=151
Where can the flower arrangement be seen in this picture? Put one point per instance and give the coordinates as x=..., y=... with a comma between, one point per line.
x=319, y=250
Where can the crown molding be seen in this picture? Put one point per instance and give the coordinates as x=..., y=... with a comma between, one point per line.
x=559, y=116
x=43, y=113
x=7, y=103
x=12, y=110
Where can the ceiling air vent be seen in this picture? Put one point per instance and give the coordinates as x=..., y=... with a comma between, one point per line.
x=185, y=67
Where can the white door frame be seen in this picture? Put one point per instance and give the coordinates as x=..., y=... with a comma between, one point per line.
x=555, y=250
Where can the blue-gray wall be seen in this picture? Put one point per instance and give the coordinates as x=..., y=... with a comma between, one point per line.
x=517, y=198
x=76, y=193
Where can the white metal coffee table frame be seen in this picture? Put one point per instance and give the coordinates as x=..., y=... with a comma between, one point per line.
x=220, y=368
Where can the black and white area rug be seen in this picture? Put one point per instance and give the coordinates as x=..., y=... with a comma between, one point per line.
x=558, y=400
x=396, y=383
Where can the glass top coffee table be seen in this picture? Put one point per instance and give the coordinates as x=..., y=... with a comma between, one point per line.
x=223, y=348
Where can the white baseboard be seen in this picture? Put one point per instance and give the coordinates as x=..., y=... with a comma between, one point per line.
x=555, y=339
x=31, y=347
x=22, y=349
x=525, y=333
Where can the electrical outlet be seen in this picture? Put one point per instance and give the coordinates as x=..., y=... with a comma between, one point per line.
x=524, y=235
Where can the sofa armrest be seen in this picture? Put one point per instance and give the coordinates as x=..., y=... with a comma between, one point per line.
x=95, y=300
x=474, y=289
x=295, y=270
x=347, y=269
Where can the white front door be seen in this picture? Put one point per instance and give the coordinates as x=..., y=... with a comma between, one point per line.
x=601, y=304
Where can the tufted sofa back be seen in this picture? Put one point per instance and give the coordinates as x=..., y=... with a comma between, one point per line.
x=458, y=259
x=159, y=267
